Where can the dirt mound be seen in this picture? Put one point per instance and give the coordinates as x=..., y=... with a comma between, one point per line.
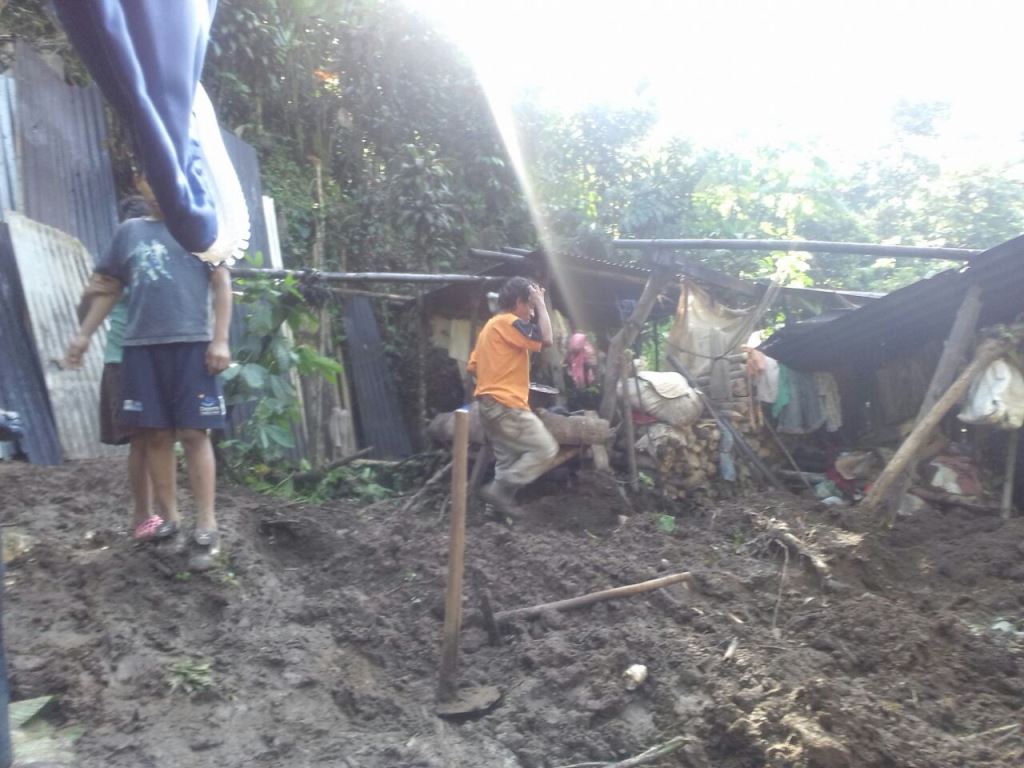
x=321, y=633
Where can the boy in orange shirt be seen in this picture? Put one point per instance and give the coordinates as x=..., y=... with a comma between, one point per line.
x=522, y=445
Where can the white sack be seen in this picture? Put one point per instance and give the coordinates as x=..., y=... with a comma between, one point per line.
x=996, y=398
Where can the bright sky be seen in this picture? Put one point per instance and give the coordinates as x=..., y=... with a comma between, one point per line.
x=727, y=72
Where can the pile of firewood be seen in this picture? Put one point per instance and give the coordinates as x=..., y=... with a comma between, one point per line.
x=685, y=462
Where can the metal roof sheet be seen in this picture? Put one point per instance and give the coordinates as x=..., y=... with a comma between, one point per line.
x=905, y=319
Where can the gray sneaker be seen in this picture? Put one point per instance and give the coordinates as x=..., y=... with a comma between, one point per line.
x=205, y=549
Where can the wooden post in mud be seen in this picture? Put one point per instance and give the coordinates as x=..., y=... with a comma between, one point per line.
x=1011, y=466
x=456, y=550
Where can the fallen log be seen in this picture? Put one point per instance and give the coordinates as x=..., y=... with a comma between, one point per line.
x=317, y=475
x=594, y=597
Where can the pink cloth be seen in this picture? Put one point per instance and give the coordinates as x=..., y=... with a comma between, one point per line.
x=581, y=360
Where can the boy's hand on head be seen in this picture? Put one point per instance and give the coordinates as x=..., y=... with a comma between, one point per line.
x=536, y=296
x=76, y=351
x=218, y=357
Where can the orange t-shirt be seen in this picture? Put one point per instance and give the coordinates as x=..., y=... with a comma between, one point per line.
x=501, y=359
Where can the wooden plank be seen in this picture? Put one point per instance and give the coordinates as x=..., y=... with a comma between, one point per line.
x=594, y=597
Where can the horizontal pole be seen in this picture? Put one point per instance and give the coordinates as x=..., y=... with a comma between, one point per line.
x=397, y=298
x=814, y=246
x=512, y=258
x=363, y=277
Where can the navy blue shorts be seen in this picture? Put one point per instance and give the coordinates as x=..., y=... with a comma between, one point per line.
x=167, y=386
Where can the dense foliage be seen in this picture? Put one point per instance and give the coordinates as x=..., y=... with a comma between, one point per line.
x=414, y=169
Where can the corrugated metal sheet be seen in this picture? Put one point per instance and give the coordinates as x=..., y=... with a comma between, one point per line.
x=380, y=414
x=22, y=386
x=906, y=319
x=54, y=268
x=64, y=166
x=10, y=185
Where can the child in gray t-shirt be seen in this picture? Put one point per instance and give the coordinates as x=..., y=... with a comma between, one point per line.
x=171, y=360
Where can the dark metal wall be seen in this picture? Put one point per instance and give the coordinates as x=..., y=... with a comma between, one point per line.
x=63, y=162
x=380, y=414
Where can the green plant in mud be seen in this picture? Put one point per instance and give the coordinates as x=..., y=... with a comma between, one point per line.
x=190, y=676
x=268, y=361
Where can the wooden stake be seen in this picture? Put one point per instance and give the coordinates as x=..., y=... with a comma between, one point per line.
x=456, y=551
x=1011, y=466
x=593, y=597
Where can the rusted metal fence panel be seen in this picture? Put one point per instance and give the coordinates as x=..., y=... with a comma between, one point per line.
x=22, y=386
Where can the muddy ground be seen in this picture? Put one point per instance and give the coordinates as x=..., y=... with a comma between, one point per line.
x=322, y=633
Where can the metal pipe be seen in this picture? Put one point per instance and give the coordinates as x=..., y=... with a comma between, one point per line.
x=816, y=246
x=363, y=277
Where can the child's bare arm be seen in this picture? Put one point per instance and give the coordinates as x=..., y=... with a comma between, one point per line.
x=218, y=354
x=98, y=300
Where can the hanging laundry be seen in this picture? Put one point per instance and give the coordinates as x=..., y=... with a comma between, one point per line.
x=581, y=360
x=802, y=412
x=828, y=391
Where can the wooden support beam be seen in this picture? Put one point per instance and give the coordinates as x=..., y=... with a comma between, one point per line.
x=812, y=246
x=954, y=354
x=627, y=335
x=878, y=496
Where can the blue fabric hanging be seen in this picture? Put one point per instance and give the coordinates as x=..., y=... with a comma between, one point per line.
x=147, y=56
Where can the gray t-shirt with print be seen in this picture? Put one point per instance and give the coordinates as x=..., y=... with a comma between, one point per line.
x=169, y=299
